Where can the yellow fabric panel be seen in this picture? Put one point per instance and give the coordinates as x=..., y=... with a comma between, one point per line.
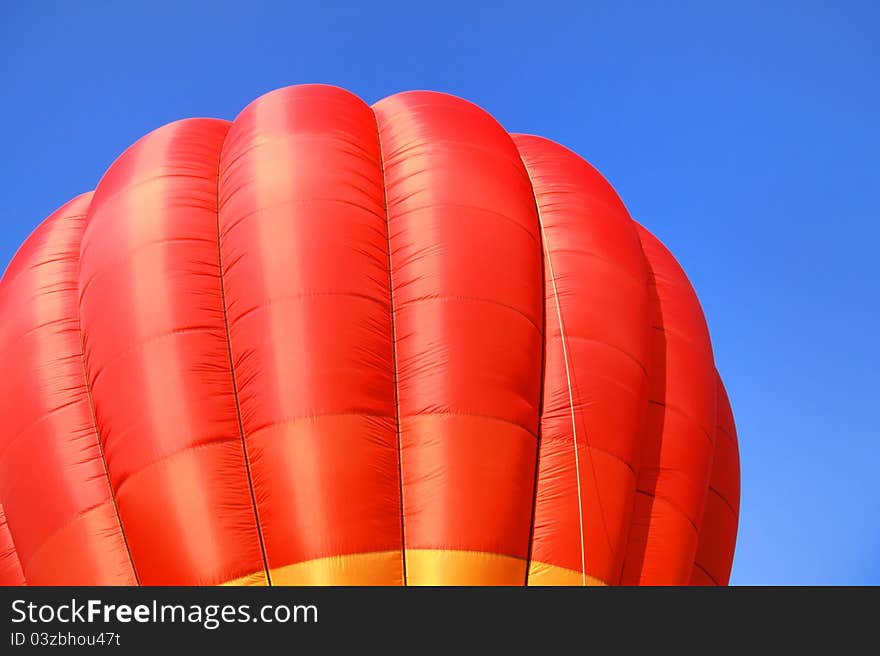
x=545, y=574
x=447, y=567
x=378, y=568
x=424, y=567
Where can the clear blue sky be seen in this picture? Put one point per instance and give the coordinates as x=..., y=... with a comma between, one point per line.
x=744, y=134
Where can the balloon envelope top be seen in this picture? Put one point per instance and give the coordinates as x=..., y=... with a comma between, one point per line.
x=329, y=343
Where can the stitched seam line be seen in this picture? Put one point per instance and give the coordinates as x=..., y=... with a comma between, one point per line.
x=394, y=349
x=103, y=458
x=247, y=462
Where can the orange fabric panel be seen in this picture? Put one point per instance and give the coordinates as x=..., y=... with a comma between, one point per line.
x=595, y=376
x=433, y=567
x=468, y=307
x=52, y=472
x=157, y=359
x=10, y=567
x=303, y=242
x=377, y=568
x=718, y=531
x=544, y=574
x=679, y=433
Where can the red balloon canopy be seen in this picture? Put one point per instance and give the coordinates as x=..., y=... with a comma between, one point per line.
x=329, y=343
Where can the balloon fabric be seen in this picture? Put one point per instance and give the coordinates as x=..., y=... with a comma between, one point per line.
x=329, y=343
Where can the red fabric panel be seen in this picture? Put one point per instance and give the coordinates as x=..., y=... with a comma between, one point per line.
x=53, y=483
x=468, y=308
x=303, y=241
x=157, y=359
x=718, y=531
x=10, y=567
x=679, y=433
x=596, y=282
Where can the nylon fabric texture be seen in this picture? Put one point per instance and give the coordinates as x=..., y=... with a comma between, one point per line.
x=329, y=343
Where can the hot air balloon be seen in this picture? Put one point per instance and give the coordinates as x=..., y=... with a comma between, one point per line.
x=332, y=343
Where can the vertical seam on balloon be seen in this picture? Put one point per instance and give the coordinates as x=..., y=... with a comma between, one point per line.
x=538, y=436
x=541, y=390
x=393, y=347
x=247, y=462
x=577, y=467
x=569, y=376
x=82, y=348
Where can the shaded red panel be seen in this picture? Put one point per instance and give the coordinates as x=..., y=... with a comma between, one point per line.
x=305, y=263
x=595, y=377
x=468, y=312
x=10, y=567
x=157, y=360
x=679, y=433
x=718, y=530
x=52, y=473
